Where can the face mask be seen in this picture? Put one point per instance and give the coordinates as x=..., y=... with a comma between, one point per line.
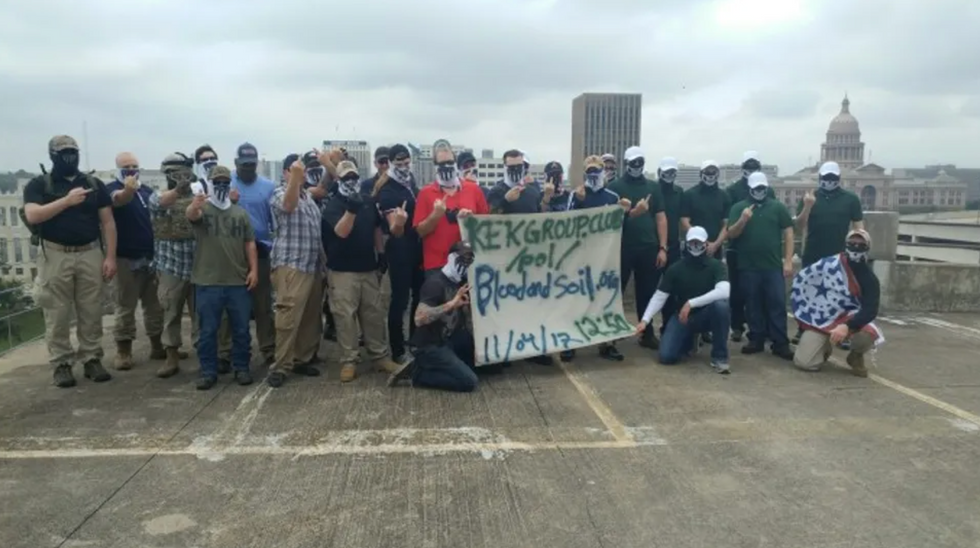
x=635, y=168
x=594, y=180
x=748, y=168
x=220, y=194
x=447, y=175
x=348, y=187
x=203, y=169
x=856, y=252
x=669, y=176
x=65, y=162
x=695, y=248
x=456, y=266
x=402, y=174
x=759, y=193
x=709, y=178
x=515, y=175
x=829, y=183
x=122, y=174
x=314, y=174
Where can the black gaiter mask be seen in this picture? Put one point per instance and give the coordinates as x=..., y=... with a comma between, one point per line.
x=65, y=162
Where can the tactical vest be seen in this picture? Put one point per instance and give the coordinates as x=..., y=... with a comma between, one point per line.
x=173, y=225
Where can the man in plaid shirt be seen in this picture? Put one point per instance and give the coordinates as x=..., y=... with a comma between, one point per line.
x=173, y=256
x=298, y=266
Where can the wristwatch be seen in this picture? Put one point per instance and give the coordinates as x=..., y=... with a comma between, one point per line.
x=663, y=248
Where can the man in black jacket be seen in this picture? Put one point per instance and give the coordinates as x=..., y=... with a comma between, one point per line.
x=815, y=345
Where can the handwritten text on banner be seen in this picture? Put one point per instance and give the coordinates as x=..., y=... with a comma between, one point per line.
x=545, y=283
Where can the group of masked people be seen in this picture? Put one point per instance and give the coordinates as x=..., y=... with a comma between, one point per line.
x=234, y=247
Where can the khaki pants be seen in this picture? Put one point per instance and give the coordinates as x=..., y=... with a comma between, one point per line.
x=265, y=329
x=355, y=298
x=67, y=278
x=814, y=348
x=136, y=287
x=175, y=294
x=299, y=297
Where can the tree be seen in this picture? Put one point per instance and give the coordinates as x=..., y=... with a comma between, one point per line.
x=8, y=182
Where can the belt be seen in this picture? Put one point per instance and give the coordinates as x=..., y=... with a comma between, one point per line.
x=70, y=248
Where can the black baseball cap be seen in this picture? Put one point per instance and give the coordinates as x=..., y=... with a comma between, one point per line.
x=553, y=166
x=464, y=158
x=247, y=154
x=289, y=160
x=381, y=153
x=399, y=152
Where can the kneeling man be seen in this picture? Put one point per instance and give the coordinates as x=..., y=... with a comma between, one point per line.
x=699, y=287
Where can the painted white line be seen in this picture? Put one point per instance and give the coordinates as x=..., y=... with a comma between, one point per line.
x=605, y=414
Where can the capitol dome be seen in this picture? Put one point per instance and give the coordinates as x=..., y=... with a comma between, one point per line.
x=844, y=123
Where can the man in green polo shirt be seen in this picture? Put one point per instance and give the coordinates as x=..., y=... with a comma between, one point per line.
x=644, y=250
x=666, y=176
x=699, y=289
x=764, y=230
x=826, y=217
x=707, y=206
x=737, y=192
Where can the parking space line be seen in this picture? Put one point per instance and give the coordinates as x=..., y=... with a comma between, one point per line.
x=605, y=414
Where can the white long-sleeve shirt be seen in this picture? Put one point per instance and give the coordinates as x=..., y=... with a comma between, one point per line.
x=721, y=291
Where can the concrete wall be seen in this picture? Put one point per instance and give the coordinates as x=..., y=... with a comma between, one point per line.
x=928, y=287
x=882, y=226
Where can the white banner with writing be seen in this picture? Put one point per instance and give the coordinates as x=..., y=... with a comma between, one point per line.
x=546, y=282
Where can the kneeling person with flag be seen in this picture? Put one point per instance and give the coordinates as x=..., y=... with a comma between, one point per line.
x=699, y=287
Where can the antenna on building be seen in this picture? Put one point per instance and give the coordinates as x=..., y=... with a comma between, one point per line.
x=85, y=144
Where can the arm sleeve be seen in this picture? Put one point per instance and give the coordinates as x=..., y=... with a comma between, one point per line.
x=656, y=201
x=431, y=293
x=423, y=208
x=275, y=202
x=482, y=207
x=720, y=292
x=656, y=303
x=734, y=213
x=113, y=187
x=856, y=213
x=34, y=192
x=102, y=197
x=870, y=297
x=785, y=221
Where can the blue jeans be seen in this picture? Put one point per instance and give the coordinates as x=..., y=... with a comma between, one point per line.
x=212, y=301
x=448, y=366
x=737, y=299
x=765, y=306
x=678, y=338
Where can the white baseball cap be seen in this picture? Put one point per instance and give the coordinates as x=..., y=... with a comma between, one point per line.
x=750, y=155
x=758, y=179
x=632, y=153
x=668, y=162
x=830, y=168
x=696, y=233
x=708, y=163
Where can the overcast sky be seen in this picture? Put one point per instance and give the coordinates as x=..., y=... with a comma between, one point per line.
x=717, y=77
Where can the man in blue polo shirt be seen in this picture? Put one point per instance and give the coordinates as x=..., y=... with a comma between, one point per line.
x=254, y=195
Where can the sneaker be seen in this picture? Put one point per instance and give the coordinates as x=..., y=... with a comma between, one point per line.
x=611, y=353
x=348, y=373
x=752, y=348
x=63, y=377
x=206, y=383
x=275, y=379
x=783, y=352
x=224, y=366
x=403, y=372
x=95, y=372
x=737, y=335
x=243, y=378
x=650, y=341
x=721, y=367
x=566, y=355
x=542, y=360
x=305, y=370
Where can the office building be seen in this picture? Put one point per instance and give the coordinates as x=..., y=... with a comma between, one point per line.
x=360, y=151
x=271, y=169
x=601, y=123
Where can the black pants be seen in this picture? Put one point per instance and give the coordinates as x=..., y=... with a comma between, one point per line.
x=736, y=298
x=406, y=276
x=641, y=265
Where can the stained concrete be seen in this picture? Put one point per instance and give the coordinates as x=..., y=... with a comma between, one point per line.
x=592, y=455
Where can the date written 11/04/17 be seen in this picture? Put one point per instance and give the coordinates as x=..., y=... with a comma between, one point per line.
x=519, y=344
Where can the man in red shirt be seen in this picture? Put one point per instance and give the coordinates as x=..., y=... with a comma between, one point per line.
x=441, y=206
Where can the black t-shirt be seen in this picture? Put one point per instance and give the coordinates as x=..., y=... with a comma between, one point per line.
x=78, y=225
x=438, y=290
x=528, y=202
x=356, y=252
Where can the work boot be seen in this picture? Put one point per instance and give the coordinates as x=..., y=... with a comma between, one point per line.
x=348, y=373
x=63, y=377
x=649, y=341
x=124, y=355
x=856, y=361
x=224, y=366
x=737, y=335
x=611, y=353
x=95, y=372
x=387, y=365
x=172, y=366
x=158, y=352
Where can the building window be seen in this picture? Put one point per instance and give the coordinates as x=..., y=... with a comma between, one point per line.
x=3, y=217
x=19, y=271
x=14, y=218
x=3, y=251
x=33, y=273
x=18, y=253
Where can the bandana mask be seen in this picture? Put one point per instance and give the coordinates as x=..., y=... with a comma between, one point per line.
x=402, y=174
x=456, y=266
x=515, y=175
x=348, y=187
x=219, y=196
x=668, y=176
x=829, y=183
x=594, y=180
x=856, y=252
x=314, y=175
x=759, y=193
x=447, y=176
x=203, y=169
x=695, y=248
x=709, y=178
x=122, y=174
x=750, y=167
x=634, y=168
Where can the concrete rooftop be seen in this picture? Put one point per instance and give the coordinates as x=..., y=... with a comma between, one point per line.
x=590, y=455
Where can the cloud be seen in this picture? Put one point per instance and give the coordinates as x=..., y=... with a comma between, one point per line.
x=717, y=76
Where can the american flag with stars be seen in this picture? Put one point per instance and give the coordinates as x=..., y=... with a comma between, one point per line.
x=825, y=295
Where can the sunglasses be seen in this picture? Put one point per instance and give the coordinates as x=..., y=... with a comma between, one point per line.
x=381, y=161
